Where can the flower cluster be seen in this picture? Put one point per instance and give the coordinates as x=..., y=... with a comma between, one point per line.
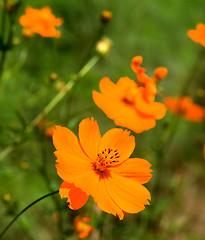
x=41, y=21
x=130, y=104
x=184, y=107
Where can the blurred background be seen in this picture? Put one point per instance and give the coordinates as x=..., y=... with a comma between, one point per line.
x=37, y=68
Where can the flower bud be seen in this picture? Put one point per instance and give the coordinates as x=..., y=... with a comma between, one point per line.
x=27, y=33
x=160, y=73
x=106, y=16
x=103, y=46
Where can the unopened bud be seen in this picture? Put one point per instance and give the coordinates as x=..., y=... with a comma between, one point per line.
x=27, y=33
x=7, y=197
x=160, y=73
x=12, y=6
x=53, y=76
x=103, y=46
x=106, y=16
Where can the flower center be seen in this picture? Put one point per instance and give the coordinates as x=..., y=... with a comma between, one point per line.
x=106, y=158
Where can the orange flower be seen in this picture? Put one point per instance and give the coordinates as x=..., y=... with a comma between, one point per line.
x=41, y=21
x=183, y=106
x=82, y=227
x=129, y=104
x=101, y=167
x=198, y=35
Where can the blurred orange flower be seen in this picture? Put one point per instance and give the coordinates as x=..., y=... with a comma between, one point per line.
x=41, y=21
x=82, y=227
x=101, y=167
x=198, y=35
x=183, y=106
x=130, y=104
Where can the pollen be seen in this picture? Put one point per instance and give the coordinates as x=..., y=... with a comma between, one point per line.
x=107, y=158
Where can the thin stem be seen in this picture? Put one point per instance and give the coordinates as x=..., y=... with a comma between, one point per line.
x=62, y=93
x=3, y=19
x=3, y=24
x=90, y=64
x=7, y=44
x=26, y=208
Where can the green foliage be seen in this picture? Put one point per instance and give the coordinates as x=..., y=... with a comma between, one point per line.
x=157, y=31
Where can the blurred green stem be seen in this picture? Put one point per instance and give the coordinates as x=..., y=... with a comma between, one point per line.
x=26, y=208
x=88, y=66
x=62, y=93
x=3, y=48
x=45, y=176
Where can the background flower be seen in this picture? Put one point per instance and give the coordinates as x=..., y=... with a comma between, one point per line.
x=184, y=107
x=41, y=21
x=130, y=104
x=198, y=34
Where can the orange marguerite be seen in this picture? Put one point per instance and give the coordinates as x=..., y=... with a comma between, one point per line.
x=101, y=167
x=82, y=227
x=183, y=106
x=130, y=104
x=198, y=34
x=41, y=21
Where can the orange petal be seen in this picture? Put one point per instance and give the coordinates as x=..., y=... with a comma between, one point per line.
x=198, y=34
x=135, y=168
x=90, y=183
x=65, y=141
x=70, y=167
x=122, y=114
x=76, y=197
x=195, y=113
x=108, y=88
x=89, y=135
x=125, y=83
x=155, y=109
x=120, y=140
x=105, y=202
x=129, y=195
x=136, y=62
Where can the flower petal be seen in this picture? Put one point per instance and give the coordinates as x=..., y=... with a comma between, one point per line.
x=108, y=88
x=90, y=183
x=70, y=166
x=66, y=142
x=129, y=195
x=89, y=135
x=120, y=140
x=122, y=114
x=154, y=109
x=105, y=202
x=76, y=197
x=134, y=168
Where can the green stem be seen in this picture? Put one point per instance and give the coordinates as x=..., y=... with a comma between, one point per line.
x=26, y=208
x=3, y=24
x=62, y=93
x=90, y=64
